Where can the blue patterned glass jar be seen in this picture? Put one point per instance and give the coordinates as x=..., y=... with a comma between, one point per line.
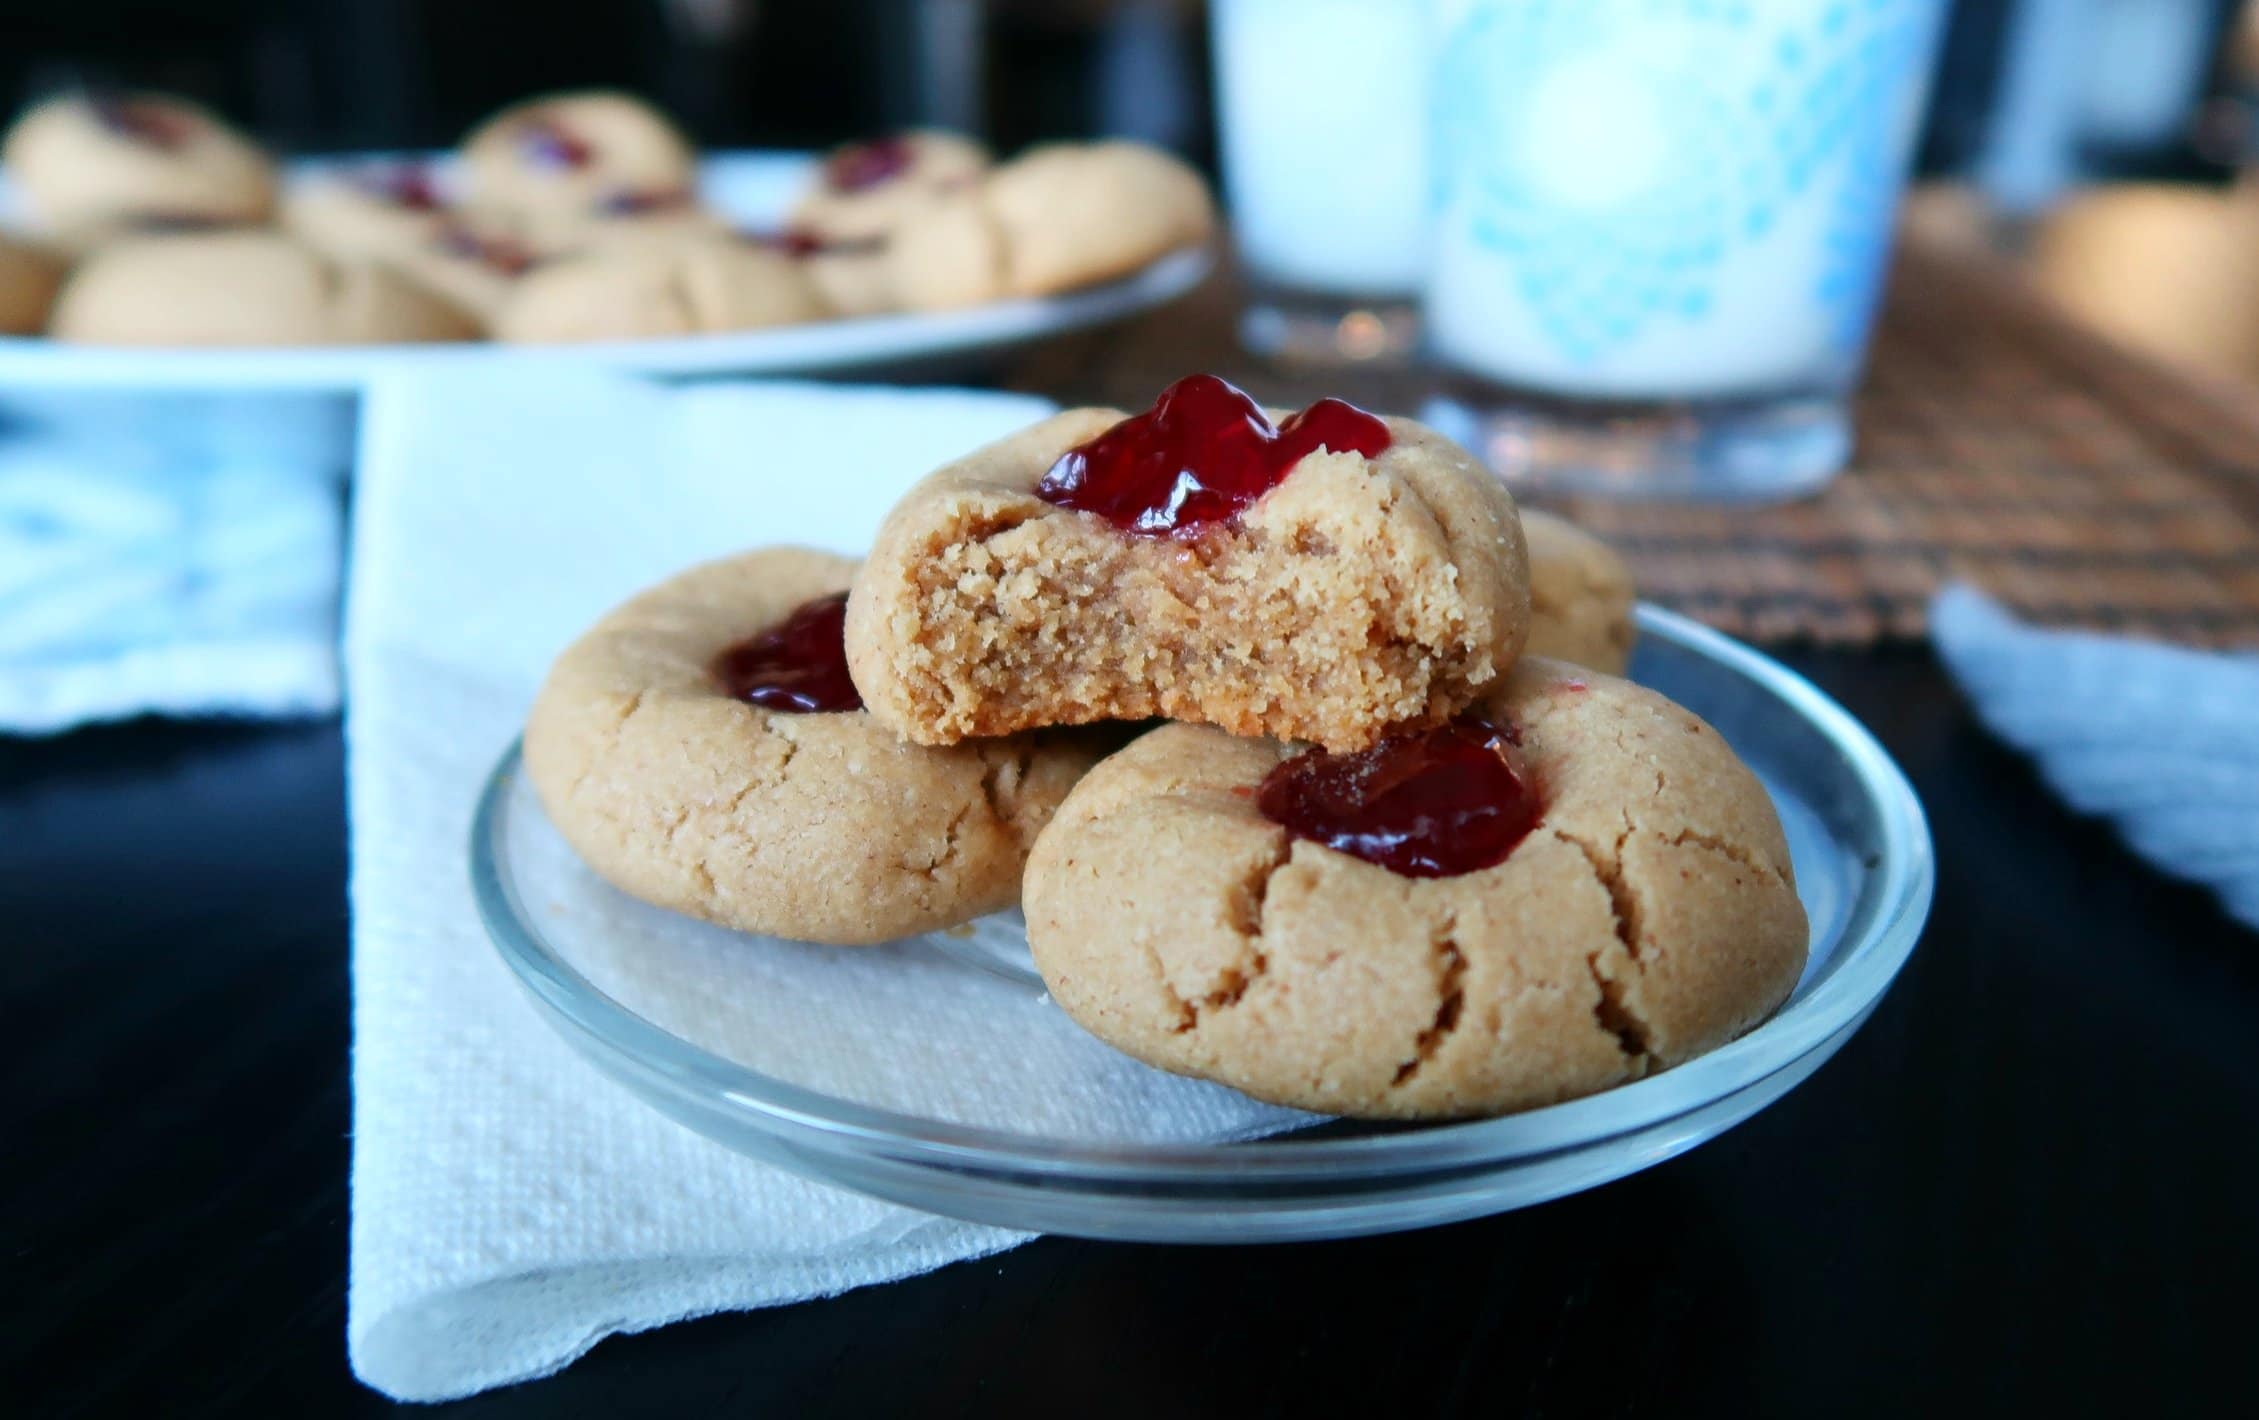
x=1686, y=201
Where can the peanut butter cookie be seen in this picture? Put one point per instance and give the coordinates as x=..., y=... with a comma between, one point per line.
x=1580, y=595
x=1574, y=886
x=703, y=749
x=1329, y=576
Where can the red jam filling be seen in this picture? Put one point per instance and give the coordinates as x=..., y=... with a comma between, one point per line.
x=410, y=187
x=504, y=255
x=866, y=165
x=801, y=243
x=143, y=121
x=546, y=143
x=636, y=204
x=1433, y=805
x=798, y=666
x=1200, y=455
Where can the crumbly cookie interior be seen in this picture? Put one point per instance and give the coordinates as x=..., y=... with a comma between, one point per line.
x=1272, y=626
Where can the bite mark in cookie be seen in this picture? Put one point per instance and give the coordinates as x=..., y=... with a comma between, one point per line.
x=1359, y=594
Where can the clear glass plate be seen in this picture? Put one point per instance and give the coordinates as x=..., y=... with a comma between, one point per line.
x=814, y=1059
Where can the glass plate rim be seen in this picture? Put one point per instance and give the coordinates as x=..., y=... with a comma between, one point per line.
x=620, y=1038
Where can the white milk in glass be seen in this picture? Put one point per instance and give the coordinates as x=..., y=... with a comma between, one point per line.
x=1668, y=199
x=1325, y=141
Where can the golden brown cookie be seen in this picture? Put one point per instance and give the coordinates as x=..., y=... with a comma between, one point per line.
x=814, y=824
x=1581, y=595
x=244, y=287
x=472, y=269
x=633, y=221
x=1058, y=217
x=853, y=278
x=562, y=156
x=1643, y=911
x=621, y=222
x=29, y=277
x=93, y=166
x=688, y=288
x=383, y=212
x=867, y=190
x=1326, y=577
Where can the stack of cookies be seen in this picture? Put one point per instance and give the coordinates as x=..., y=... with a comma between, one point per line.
x=1400, y=846
x=574, y=217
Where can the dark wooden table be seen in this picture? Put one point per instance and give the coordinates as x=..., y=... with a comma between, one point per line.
x=2029, y=1182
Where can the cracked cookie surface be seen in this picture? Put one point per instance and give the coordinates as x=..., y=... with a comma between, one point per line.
x=1581, y=595
x=1650, y=916
x=1356, y=595
x=824, y=827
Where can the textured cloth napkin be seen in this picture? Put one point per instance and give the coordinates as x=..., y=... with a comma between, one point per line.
x=148, y=567
x=2161, y=740
x=512, y=1207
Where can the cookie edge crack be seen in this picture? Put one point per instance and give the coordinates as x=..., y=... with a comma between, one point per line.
x=1450, y=1004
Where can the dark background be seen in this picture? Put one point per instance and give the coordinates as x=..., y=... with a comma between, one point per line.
x=327, y=75
x=2025, y=1187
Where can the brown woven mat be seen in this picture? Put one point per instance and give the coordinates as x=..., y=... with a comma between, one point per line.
x=1998, y=443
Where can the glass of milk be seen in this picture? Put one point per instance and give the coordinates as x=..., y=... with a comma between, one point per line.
x=1325, y=133
x=1660, y=229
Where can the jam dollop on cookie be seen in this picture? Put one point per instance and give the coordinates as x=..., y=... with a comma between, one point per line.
x=641, y=202
x=1455, y=799
x=1199, y=456
x=817, y=827
x=547, y=143
x=866, y=165
x=409, y=185
x=157, y=124
x=798, y=666
x=506, y=255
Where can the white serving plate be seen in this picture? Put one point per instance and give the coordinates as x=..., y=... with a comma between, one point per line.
x=754, y=189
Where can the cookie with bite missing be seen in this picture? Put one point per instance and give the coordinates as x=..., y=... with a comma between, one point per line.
x=702, y=748
x=1574, y=885
x=1327, y=575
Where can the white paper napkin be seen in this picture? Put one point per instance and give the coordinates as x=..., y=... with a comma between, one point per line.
x=152, y=572
x=511, y=1207
x=2161, y=740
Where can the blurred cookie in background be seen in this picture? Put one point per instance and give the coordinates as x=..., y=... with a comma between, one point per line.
x=557, y=159
x=1057, y=217
x=866, y=190
x=91, y=166
x=690, y=288
x=244, y=288
x=381, y=211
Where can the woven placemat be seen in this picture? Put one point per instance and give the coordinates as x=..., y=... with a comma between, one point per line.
x=2000, y=443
